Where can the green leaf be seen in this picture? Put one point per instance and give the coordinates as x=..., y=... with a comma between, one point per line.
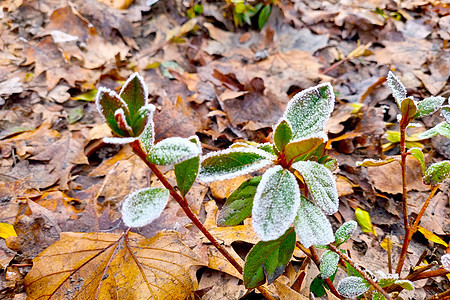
x=312, y=226
x=408, y=109
x=318, y=285
x=232, y=162
x=406, y=284
x=300, y=150
x=374, y=163
x=186, y=173
x=239, y=204
x=364, y=221
x=445, y=112
x=87, y=96
x=418, y=154
x=267, y=147
x=264, y=16
x=147, y=137
x=378, y=296
x=321, y=185
x=352, y=286
x=428, y=106
x=344, y=232
x=275, y=204
x=387, y=280
x=172, y=151
x=135, y=94
x=143, y=206
x=444, y=129
x=328, y=263
x=397, y=88
x=268, y=257
x=108, y=102
x=308, y=111
x=437, y=172
x=282, y=135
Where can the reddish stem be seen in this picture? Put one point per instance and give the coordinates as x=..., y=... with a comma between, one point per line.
x=361, y=272
x=403, y=155
x=185, y=206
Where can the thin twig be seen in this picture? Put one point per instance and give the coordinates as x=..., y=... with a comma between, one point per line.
x=443, y=295
x=411, y=230
x=403, y=155
x=389, y=251
x=347, y=259
x=185, y=206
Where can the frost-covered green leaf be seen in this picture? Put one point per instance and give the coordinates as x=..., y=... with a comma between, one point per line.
x=321, y=185
x=374, y=163
x=437, y=172
x=312, y=226
x=301, y=149
x=428, y=106
x=406, y=284
x=364, y=221
x=282, y=134
x=386, y=280
x=143, y=206
x=445, y=112
x=441, y=128
x=408, y=109
x=418, y=154
x=267, y=147
x=328, y=263
x=397, y=88
x=147, y=137
x=275, y=204
x=352, y=286
x=232, y=162
x=108, y=102
x=172, y=150
x=186, y=173
x=134, y=93
x=239, y=204
x=308, y=111
x=344, y=232
x=445, y=261
x=268, y=258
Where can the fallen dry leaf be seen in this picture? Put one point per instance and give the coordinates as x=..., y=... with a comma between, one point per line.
x=113, y=266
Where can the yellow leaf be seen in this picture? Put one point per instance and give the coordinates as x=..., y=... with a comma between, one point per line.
x=6, y=230
x=113, y=266
x=364, y=221
x=431, y=236
x=387, y=244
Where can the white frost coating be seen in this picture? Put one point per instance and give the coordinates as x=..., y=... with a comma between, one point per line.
x=328, y=263
x=111, y=93
x=383, y=276
x=307, y=112
x=445, y=112
x=147, y=137
x=445, y=261
x=275, y=204
x=119, y=140
x=321, y=185
x=173, y=150
x=312, y=226
x=397, y=88
x=429, y=105
x=141, y=80
x=143, y=206
x=221, y=174
x=344, y=232
x=352, y=286
x=414, y=125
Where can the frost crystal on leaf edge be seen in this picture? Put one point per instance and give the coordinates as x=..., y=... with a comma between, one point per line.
x=141, y=80
x=186, y=148
x=119, y=140
x=102, y=90
x=397, y=88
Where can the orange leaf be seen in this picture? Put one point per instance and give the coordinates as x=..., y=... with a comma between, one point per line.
x=112, y=266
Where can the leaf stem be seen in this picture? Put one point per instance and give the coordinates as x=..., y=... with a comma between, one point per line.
x=185, y=206
x=347, y=259
x=403, y=155
x=411, y=230
x=316, y=260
